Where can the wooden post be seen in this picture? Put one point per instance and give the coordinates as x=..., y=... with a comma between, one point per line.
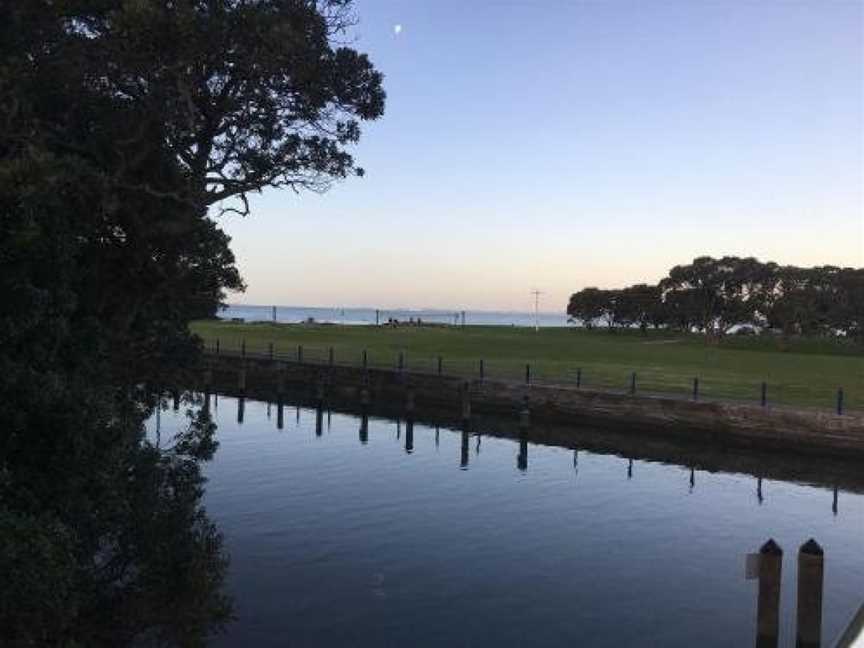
x=364, y=397
x=217, y=346
x=840, y=401
x=241, y=380
x=401, y=361
x=330, y=356
x=241, y=407
x=764, y=394
x=834, y=502
x=365, y=359
x=633, y=384
x=811, y=561
x=481, y=369
x=768, y=607
x=270, y=348
x=409, y=435
x=280, y=414
x=695, y=389
x=440, y=365
x=463, y=459
x=409, y=401
x=364, y=428
x=175, y=393
x=527, y=374
x=299, y=354
x=319, y=392
x=319, y=421
x=578, y=377
x=243, y=347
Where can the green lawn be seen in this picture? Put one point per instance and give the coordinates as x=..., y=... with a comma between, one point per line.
x=809, y=373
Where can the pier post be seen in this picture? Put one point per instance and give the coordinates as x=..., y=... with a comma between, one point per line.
x=834, y=502
x=440, y=365
x=319, y=392
x=241, y=408
x=270, y=350
x=811, y=561
x=243, y=347
x=401, y=361
x=764, y=394
x=768, y=607
x=409, y=435
x=319, y=421
x=524, y=425
x=364, y=397
x=409, y=402
x=241, y=379
x=463, y=459
x=482, y=371
x=629, y=469
x=365, y=359
x=633, y=384
x=696, y=389
x=299, y=354
x=280, y=413
x=527, y=374
x=840, y=401
x=364, y=428
x=217, y=346
x=578, y=377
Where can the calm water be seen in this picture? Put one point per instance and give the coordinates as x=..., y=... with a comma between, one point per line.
x=294, y=314
x=438, y=538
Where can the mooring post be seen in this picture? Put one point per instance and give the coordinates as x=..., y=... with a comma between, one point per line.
x=764, y=393
x=768, y=606
x=481, y=369
x=280, y=413
x=364, y=428
x=440, y=365
x=834, y=502
x=463, y=457
x=633, y=384
x=319, y=421
x=409, y=402
x=330, y=356
x=319, y=392
x=524, y=417
x=527, y=374
x=299, y=354
x=364, y=397
x=466, y=402
x=840, y=401
x=696, y=389
x=241, y=407
x=578, y=377
x=811, y=562
x=409, y=435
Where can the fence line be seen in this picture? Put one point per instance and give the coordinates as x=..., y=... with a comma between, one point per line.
x=525, y=373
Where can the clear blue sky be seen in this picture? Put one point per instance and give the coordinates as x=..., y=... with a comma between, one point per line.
x=564, y=144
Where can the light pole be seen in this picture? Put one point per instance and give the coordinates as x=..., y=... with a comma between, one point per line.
x=536, y=294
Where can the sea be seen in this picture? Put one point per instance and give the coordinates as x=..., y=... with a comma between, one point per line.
x=371, y=316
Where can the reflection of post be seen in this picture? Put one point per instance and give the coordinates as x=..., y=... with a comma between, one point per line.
x=319, y=421
x=364, y=428
x=409, y=436
x=692, y=478
x=768, y=610
x=280, y=418
x=241, y=406
x=759, y=489
x=834, y=502
x=463, y=462
x=811, y=560
x=522, y=457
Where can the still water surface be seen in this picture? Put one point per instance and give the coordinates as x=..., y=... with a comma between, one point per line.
x=436, y=538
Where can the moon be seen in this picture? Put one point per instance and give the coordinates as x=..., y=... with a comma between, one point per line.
x=397, y=29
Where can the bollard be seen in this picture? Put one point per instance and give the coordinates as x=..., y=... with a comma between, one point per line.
x=633, y=384
x=695, y=389
x=481, y=369
x=811, y=561
x=330, y=356
x=768, y=606
x=299, y=354
x=840, y=401
x=440, y=365
x=527, y=374
x=578, y=377
x=764, y=394
x=243, y=347
x=270, y=350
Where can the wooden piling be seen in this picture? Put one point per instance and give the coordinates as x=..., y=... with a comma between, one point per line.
x=811, y=561
x=241, y=380
x=241, y=408
x=768, y=607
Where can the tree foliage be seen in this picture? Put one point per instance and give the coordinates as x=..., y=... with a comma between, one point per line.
x=121, y=123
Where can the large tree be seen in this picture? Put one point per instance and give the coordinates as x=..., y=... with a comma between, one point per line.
x=121, y=123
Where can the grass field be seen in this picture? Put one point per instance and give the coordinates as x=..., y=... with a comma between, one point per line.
x=807, y=374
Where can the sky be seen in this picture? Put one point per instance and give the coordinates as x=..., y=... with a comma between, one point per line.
x=555, y=145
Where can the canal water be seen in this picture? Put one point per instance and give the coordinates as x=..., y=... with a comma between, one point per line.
x=383, y=534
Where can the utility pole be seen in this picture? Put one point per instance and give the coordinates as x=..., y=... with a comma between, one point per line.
x=536, y=294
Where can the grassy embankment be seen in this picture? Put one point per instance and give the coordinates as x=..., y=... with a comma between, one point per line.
x=808, y=373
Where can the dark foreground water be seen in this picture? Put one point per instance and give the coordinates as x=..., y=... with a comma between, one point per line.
x=391, y=537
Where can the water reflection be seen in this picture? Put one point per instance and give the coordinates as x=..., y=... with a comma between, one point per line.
x=333, y=515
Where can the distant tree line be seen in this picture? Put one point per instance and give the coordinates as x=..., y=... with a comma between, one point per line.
x=712, y=296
